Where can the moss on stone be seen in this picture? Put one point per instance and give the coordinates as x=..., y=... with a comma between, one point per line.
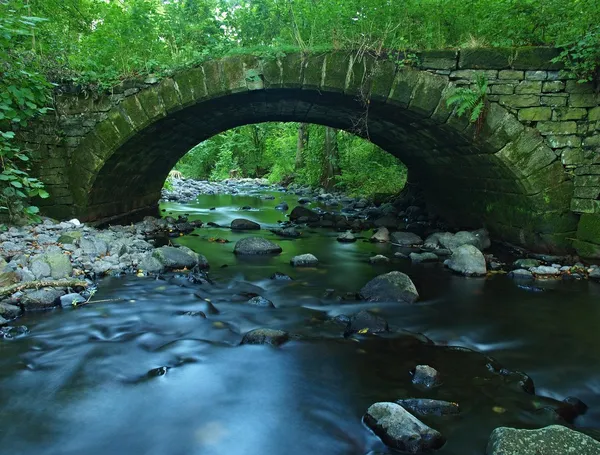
x=427, y=93
x=403, y=87
x=382, y=79
x=313, y=71
x=589, y=228
x=234, y=78
x=185, y=86
x=293, y=70
x=106, y=131
x=212, y=78
x=587, y=250
x=169, y=96
x=271, y=70
x=151, y=103
x=133, y=110
x=535, y=58
x=490, y=58
x=338, y=64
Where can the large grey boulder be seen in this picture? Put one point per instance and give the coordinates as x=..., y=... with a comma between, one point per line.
x=7, y=275
x=424, y=407
x=256, y=246
x=467, y=260
x=150, y=264
x=272, y=337
x=392, y=286
x=401, y=430
x=179, y=258
x=52, y=264
x=406, y=239
x=41, y=299
x=382, y=235
x=554, y=439
x=242, y=224
x=304, y=260
x=8, y=311
x=480, y=239
x=307, y=215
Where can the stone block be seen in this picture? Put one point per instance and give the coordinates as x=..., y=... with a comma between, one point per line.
x=314, y=67
x=427, y=93
x=583, y=100
x=382, y=79
x=572, y=156
x=337, y=66
x=586, y=192
x=471, y=75
x=169, y=95
x=485, y=58
x=536, y=75
x=520, y=100
x=554, y=100
x=502, y=89
x=576, y=87
x=511, y=75
x=586, y=250
x=553, y=86
x=592, y=141
x=558, y=142
x=535, y=114
x=587, y=180
x=535, y=58
x=403, y=86
x=528, y=87
x=569, y=113
x=582, y=205
x=557, y=128
x=594, y=114
x=588, y=228
x=438, y=60
x=588, y=169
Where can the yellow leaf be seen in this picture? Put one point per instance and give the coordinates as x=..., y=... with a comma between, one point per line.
x=363, y=331
x=218, y=324
x=498, y=410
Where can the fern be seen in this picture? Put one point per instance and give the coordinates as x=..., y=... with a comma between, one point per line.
x=472, y=101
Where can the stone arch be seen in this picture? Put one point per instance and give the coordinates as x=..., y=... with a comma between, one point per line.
x=507, y=178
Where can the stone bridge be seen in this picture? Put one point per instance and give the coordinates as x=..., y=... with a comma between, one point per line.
x=531, y=175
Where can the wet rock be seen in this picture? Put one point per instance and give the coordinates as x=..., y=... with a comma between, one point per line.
x=346, y=237
x=304, y=200
x=467, y=260
x=543, y=270
x=426, y=376
x=178, y=258
x=7, y=275
x=8, y=311
x=282, y=206
x=393, y=286
x=479, y=239
x=520, y=274
x=595, y=274
x=379, y=259
x=381, y=235
x=11, y=332
x=417, y=258
x=150, y=264
x=278, y=276
x=41, y=299
x=256, y=246
x=424, y=407
x=260, y=302
x=304, y=214
x=526, y=263
x=93, y=247
x=365, y=322
x=554, y=439
x=406, y=239
x=290, y=233
x=571, y=408
x=387, y=221
x=71, y=299
x=400, y=430
x=241, y=224
x=304, y=260
x=266, y=336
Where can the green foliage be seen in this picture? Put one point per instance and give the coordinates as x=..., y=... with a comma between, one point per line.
x=472, y=101
x=582, y=57
x=23, y=95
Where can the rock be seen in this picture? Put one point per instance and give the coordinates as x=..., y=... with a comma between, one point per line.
x=595, y=274
x=392, y=286
x=387, y=221
x=261, y=302
x=150, y=264
x=176, y=258
x=554, y=439
x=266, y=336
x=400, y=430
x=417, y=258
x=256, y=246
x=60, y=265
x=278, y=276
x=8, y=311
x=70, y=299
x=346, y=237
x=520, y=274
x=479, y=239
x=526, y=263
x=365, y=322
x=381, y=235
x=467, y=260
x=303, y=200
x=423, y=407
x=379, y=259
x=304, y=213
x=70, y=238
x=543, y=270
x=41, y=299
x=406, y=239
x=426, y=376
x=241, y=224
x=93, y=247
x=290, y=233
x=282, y=206
x=304, y=260
x=7, y=275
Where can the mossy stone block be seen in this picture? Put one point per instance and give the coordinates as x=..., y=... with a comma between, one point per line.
x=169, y=95
x=427, y=93
x=589, y=228
x=403, y=87
x=337, y=66
x=314, y=66
x=491, y=58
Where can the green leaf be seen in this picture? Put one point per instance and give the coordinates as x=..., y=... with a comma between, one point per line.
x=16, y=184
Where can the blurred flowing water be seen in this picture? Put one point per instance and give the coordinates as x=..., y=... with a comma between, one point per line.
x=138, y=376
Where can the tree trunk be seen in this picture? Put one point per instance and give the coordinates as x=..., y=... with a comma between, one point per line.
x=301, y=145
x=331, y=158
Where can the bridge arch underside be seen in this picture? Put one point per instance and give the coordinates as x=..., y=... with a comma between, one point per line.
x=505, y=179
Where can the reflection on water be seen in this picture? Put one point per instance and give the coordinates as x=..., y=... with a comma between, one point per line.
x=80, y=381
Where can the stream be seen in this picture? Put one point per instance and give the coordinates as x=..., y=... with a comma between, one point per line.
x=144, y=374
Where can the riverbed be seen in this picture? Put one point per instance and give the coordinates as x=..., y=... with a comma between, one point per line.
x=143, y=372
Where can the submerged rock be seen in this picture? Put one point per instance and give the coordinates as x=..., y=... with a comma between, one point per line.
x=392, y=286
x=400, y=430
x=289, y=233
x=307, y=215
x=41, y=299
x=266, y=336
x=423, y=257
x=346, y=237
x=423, y=407
x=467, y=260
x=261, y=302
x=554, y=439
x=520, y=274
x=304, y=260
x=379, y=259
x=256, y=246
x=278, y=276
x=282, y=206
x=382, y=235
x=242, y=224
x=426, y=376
x=364, y=322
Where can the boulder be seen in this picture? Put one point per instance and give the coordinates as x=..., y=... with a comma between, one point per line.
x=423, y=407
x=266, y=336
x=282, y=206
x=41, y=299
x=304, y=260
x=242, y=224
x=256, y=246
x=365, y=322
x=278, y=276
x=554, y=439
x=393, y=286
x=7, y=275
x=479, y=239
x=178, y=258
x=406, y=239
x=71, y=299
x=526, y=263
x=346, y=237
x=400, y=430
x=387, y=221
x=261, y=302
x=544, y=270
x=423, y=257
x=60, y=265
x=520, y=274
x=306, y=214
x=150, y=264
x=426, y=376
x=289, y=233
x=70, y=238
x=381, y=235
x=8, y=311
x=467, y=260
x=379, y=259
